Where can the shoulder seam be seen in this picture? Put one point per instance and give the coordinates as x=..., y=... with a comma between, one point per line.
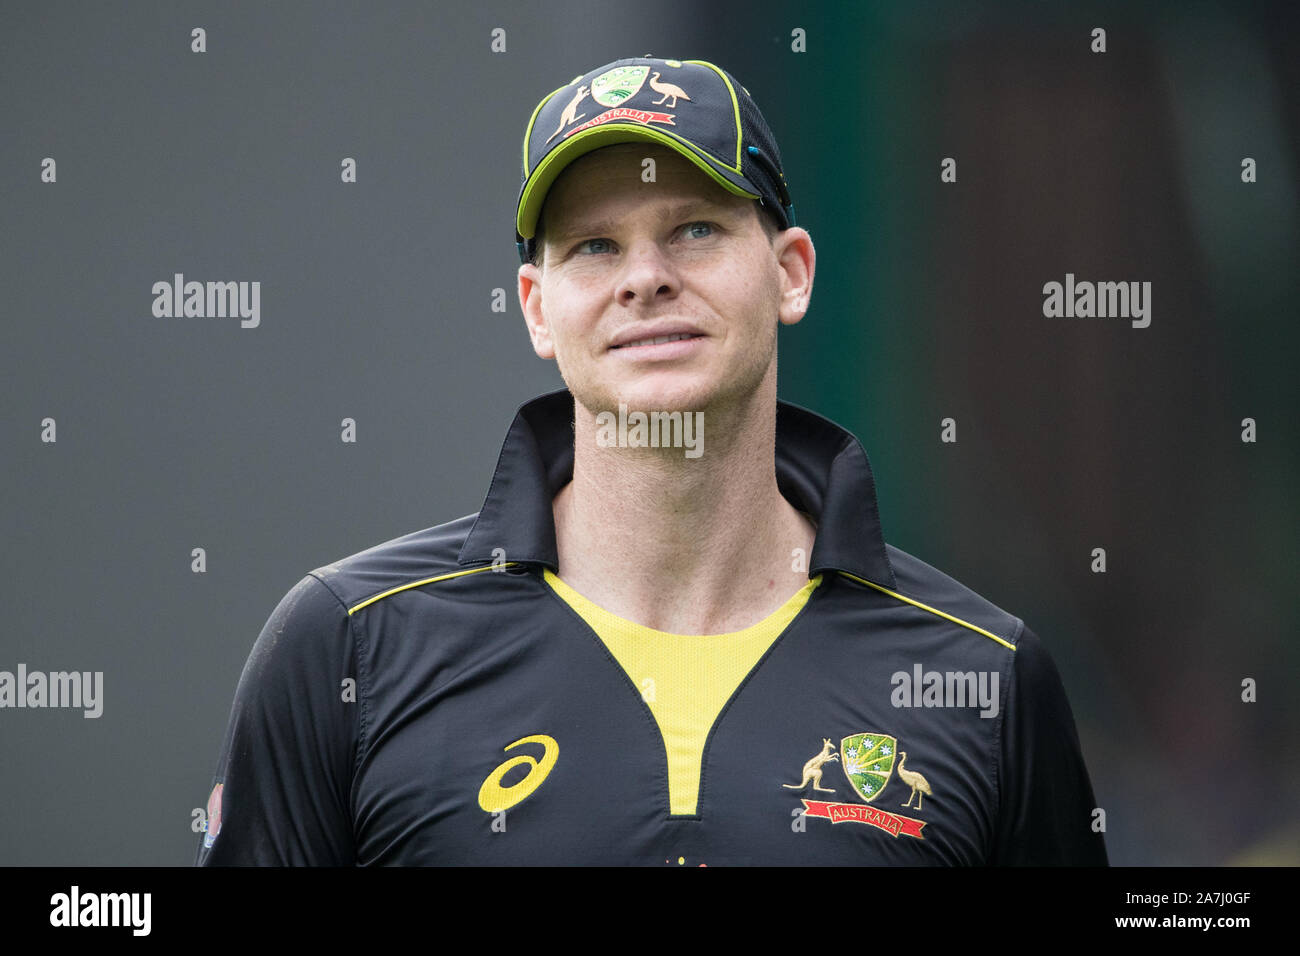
x=1008, y=672
x=415, y=584
x=925, y=607
x=362, y=678
x=322, y=582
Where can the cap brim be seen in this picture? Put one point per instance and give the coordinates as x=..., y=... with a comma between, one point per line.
x=533, y=193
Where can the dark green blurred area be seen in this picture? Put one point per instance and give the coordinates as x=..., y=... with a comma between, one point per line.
x=1076, y=433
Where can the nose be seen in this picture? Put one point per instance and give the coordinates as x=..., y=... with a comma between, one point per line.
x=648, y=274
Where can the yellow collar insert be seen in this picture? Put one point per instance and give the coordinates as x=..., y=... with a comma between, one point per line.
x=685, y=679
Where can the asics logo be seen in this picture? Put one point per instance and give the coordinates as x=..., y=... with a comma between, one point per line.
x=493, y=797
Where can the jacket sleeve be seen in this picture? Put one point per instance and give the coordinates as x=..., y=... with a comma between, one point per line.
x=282, y=791
x=1045, y=807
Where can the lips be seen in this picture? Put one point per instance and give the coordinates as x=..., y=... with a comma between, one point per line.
x=658, y=333
x=659, y=340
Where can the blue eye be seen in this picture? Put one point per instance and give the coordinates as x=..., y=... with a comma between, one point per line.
x=582, y=245
x=706, y=225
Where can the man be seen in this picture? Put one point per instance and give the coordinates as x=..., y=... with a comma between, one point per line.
x=674, y=633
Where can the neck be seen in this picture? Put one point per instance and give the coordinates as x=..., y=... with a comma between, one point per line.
x=699, y=545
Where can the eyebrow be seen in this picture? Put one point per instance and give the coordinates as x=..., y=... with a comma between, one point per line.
x=675, y=211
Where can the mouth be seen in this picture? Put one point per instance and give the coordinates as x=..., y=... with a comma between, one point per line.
x=658, y=340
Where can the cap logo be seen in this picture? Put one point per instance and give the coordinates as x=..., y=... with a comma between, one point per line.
x=614, y=86
x=667, y=91
x=644, y=117
x=570, y=114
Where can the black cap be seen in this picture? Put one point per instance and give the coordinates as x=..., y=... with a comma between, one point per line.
x=694, y=107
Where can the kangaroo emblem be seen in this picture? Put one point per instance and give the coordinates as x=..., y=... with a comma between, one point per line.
x=568, y=116
x=812, y=770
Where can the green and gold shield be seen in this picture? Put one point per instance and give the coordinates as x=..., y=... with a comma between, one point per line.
x=614, y=86
x=868, y=760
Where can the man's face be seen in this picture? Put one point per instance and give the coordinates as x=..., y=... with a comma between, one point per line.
x=627, y=260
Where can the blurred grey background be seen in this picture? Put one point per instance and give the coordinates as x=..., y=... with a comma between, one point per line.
x=376, y=305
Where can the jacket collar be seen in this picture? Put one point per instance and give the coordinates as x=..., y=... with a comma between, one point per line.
x=821, y=469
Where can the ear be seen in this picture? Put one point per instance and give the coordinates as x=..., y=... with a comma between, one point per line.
x=530, y=303
x=797, y=260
